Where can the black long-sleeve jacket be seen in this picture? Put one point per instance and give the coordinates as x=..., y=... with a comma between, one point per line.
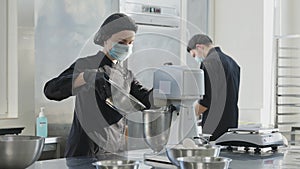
x=222, y=80
x=61, y=87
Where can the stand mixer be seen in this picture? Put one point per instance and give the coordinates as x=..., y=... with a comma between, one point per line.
x=179, y=86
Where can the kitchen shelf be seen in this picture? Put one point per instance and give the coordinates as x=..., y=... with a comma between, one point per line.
x=287, y=114
x=288, y=95
x=289, y=57
x=289, y=67
x=287, y=76
x=288, y=123
x=289, y=48
x=288, y=105
x=287, y=85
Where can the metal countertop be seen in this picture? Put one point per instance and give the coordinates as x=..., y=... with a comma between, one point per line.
x=284, y=158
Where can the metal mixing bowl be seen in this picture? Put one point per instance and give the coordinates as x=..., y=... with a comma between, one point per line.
x=173, y=152
x=122, y=101
x=116, y=164
x=204, y=162
x=156, y=124
x=19, y=152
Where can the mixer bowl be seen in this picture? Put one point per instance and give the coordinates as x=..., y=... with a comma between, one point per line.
x=174, y=152
x=156, y=124
x=19, y=152
x=194, y=162
x=116, y=164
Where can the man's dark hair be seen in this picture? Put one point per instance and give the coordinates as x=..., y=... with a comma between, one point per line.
x=198, y=39
x=115, y=23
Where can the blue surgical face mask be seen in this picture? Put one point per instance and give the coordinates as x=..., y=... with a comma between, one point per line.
x=199, y=59
x=120, y=52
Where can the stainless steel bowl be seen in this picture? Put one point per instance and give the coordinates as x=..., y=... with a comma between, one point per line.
x=116, y=164
x=156, y=124
x=122, y=101
x=194, y=162
x=173, y=152
x=19, y=152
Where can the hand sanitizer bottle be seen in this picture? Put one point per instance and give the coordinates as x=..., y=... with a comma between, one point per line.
x=42, y=124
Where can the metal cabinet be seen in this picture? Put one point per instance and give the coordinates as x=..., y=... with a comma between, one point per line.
x=287, y=85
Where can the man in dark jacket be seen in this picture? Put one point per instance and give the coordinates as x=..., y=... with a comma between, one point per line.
x=98, y=128
x=219, y=107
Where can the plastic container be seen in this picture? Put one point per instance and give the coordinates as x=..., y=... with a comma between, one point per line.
x=42, y=124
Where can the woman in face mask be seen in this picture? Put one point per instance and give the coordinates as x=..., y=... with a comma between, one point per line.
x=98, y=129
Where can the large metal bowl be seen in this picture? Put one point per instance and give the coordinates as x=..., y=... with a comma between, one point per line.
x=122, y=101
x=19, y=152
x=204, y=162
x=116, y=164
x=173, y=152
x=156, y=124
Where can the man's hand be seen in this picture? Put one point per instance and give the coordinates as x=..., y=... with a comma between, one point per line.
x=199, y=109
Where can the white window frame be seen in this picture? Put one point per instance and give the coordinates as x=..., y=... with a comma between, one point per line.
x=8, y=59
x=3, y=58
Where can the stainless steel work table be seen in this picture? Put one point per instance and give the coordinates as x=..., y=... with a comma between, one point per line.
x=52, y=144
x=287, y=158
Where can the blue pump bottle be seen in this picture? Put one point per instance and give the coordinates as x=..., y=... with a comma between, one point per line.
x=42, y=124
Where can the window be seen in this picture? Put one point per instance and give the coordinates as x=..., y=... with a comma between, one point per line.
x=8, y=59
x=3, y=57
